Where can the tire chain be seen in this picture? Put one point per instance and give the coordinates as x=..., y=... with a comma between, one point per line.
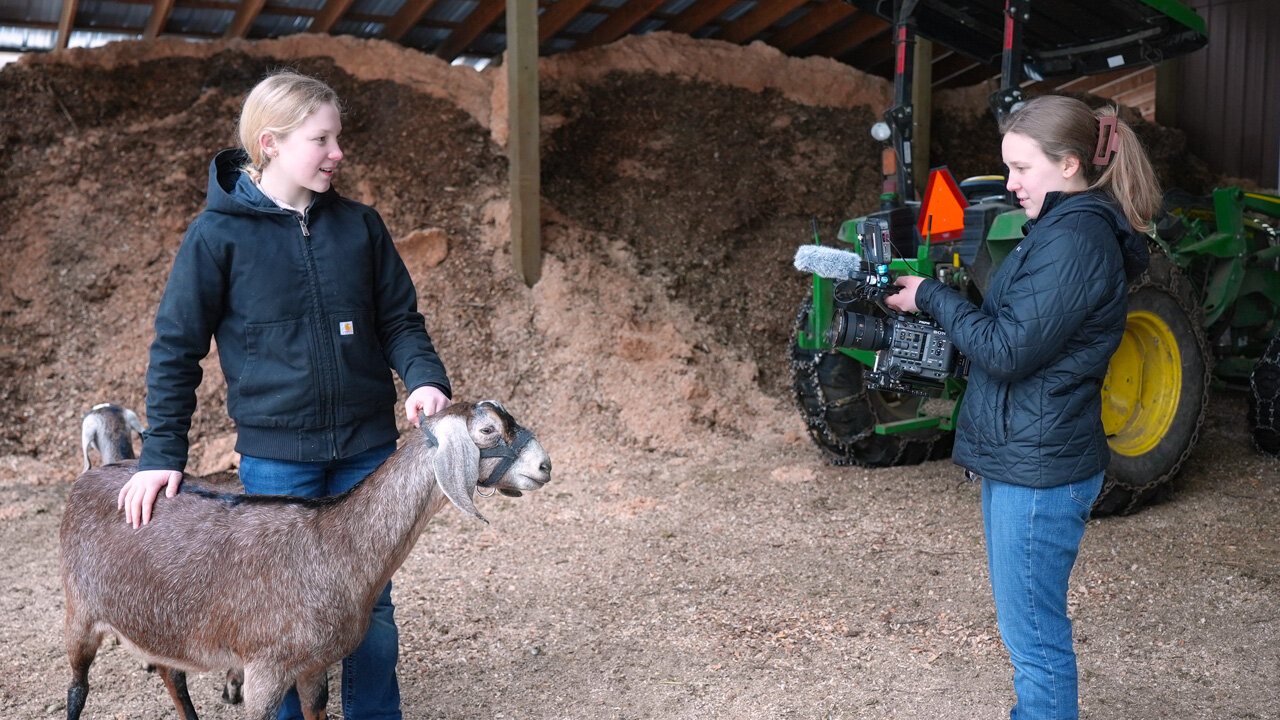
x=1177, y=286
x=1266, y=399
x=816, y=421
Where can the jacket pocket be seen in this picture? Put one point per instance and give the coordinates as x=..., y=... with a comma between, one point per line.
x=1002, y=409
x=276, y=386
x=365, y=384
x=1083, y=385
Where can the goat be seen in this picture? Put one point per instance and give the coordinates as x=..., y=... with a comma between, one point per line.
x=282, y=587
x=106, y=428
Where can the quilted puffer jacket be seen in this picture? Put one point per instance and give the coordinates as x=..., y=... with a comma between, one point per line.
x=1039, y=345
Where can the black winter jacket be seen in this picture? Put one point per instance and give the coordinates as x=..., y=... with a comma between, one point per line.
x=1039, y=345
x=310, y=313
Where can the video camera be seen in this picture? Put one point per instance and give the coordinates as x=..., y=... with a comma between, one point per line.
x=913, y=354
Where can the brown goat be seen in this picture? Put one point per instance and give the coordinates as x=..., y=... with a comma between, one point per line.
x=109, y=429
x=280, y=586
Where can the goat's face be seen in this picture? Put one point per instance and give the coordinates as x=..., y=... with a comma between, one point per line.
x=482, y=445
x=492, y=428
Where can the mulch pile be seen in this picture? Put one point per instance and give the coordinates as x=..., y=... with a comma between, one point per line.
x=673, y=203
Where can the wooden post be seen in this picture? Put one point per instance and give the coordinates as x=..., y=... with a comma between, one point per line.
x=522, y=140
x=922, y=99
x=66, y=23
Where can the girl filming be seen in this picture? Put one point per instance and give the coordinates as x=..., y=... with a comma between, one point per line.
x=1031, y=424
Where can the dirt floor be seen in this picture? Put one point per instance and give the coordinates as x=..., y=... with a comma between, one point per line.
x=694, y=557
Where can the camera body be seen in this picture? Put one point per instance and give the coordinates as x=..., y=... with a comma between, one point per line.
x=914, y=355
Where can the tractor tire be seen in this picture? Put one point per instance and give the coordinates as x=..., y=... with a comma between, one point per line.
x=841, y=414
x=1156, y=391
x=1264, y=401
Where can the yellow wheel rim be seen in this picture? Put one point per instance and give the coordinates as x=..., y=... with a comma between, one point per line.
x=1143, y=385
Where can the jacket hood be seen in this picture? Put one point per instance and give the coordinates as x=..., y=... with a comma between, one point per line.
x=1133, y=244
x=232, y=191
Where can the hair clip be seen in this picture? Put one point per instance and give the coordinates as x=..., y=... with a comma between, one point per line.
x=1107, y=146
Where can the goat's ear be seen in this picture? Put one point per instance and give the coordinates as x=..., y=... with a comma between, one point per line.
x=457, y=464
x=131, y=419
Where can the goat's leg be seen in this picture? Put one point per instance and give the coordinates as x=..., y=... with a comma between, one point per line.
x=82, y=647
x=233, y=689
x=264, y=690
x=175, y=681
x=313, y=694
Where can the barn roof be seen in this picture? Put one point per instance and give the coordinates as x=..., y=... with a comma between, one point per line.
x=474, y=32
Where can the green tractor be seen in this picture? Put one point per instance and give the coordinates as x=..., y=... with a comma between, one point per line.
x=1206, y=311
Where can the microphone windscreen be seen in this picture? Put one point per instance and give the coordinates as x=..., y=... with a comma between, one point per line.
x=828, y=262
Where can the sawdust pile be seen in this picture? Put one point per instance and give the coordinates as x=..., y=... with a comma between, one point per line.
x=678, y=177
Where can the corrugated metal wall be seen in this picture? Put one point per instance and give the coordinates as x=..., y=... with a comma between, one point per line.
x=1227, y=95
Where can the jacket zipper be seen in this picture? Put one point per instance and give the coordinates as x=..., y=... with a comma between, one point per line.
x=326, y=349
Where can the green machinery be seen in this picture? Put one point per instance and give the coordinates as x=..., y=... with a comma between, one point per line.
x=1205, y=312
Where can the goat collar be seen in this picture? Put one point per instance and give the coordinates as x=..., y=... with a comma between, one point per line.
x=432, y=440
x=508, y=452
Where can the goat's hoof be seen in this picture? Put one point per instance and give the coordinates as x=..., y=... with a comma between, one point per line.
x=231, y=694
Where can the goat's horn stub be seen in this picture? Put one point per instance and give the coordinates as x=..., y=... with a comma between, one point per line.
x=422, y=425
x=502, y=412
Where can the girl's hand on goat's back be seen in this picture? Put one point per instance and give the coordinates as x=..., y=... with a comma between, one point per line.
x=429, y=399
x=138, y=496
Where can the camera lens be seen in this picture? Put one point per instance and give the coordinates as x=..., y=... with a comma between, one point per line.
x=859, y=330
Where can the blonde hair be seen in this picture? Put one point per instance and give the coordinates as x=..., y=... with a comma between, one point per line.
x=1064, y=126
x=280, y=103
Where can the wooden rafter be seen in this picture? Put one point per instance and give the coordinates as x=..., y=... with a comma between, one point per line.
x=332, y=11
x=697, y=15
x=1143, y=99
x=484, y=15
x=245, y=15
x=1135, y=87
x=838, y=42
x=755, y=21
x=1112, y=83
x=620, y=22
x=1079, y=84
x=557, y=16
x=815, y=22
x=159, y=16
x=408, y=16
x=66, y=23
x=948, y=65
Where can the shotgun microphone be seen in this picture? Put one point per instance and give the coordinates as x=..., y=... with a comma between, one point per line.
x=828, y=262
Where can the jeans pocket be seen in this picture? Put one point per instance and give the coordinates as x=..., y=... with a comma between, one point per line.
x=1086, y=491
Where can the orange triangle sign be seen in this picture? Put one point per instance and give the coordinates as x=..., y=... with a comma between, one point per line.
x=942, y=212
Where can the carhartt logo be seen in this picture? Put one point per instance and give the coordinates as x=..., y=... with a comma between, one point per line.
x=346, y=327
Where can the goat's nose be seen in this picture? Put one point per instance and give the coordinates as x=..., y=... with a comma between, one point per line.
x=545, y=466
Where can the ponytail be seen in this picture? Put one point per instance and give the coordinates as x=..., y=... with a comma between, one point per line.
x=1109, y=152
x=1125, y=172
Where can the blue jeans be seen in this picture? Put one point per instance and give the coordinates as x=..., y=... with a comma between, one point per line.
x=1033, y=536
x=369, y=687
